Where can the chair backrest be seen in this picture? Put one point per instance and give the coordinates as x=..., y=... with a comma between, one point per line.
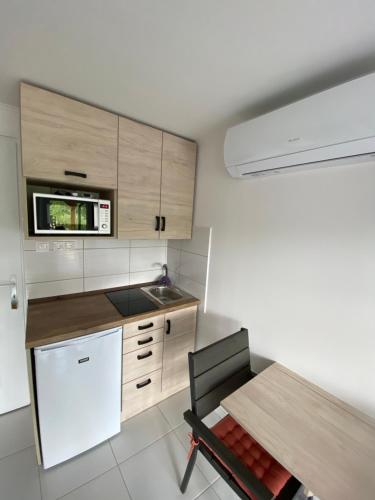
x=218, y=370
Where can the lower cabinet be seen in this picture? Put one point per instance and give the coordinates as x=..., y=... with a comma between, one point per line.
x=175, y=374
x=179, y=339
x=155, y=359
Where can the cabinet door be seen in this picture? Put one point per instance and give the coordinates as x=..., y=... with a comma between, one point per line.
x=177, y=186
x=138, y=180
x=175, y=374
x=177, y=343
x=62, y=135
x=180, y=322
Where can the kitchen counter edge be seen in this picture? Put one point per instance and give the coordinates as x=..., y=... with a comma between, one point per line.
x=38, y=334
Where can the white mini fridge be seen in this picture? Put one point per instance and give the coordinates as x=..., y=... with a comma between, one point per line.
x=78, y=385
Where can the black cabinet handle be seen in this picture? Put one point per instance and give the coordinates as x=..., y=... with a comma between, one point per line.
x=143, y=384
x=75, y=174
x=168, y=330
x=157, y=225
x=144, y=327
x=146, y=341
x=163, y=224
x=143, y=356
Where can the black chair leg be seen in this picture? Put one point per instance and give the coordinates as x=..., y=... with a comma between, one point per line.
x=189, y=469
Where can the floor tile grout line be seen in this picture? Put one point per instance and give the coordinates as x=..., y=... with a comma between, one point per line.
x=18, y=451
x=147, y=446
x=204, y=491
x=113, y=453
x=166, y=419
x=123, y=479
x=40, y=482
x=87, y=482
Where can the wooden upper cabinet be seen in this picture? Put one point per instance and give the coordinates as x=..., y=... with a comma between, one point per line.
x=62, y=135
x=140, y=148
x=177, y=186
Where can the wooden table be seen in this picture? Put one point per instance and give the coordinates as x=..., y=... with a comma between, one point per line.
x=328, y=445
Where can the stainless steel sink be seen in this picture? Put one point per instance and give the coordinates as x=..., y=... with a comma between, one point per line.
x=164, y=294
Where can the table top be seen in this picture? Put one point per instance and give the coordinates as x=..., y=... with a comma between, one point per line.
x=328, y=445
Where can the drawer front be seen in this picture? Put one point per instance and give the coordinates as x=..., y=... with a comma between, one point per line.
x=182, y=322
x=143, y=340
x=137, y=363
x=143, y=326
x=140, y=394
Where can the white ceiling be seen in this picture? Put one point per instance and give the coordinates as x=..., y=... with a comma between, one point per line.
x=185, y=66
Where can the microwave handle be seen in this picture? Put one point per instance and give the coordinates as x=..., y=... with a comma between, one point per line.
x=96, y=215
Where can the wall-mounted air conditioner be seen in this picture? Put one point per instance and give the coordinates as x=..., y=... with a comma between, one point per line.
x=330, y=128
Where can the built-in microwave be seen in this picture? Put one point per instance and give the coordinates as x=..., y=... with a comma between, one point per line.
x=56, y=214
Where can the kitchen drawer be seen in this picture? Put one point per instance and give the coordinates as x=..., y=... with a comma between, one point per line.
x=144, y=325
x=143, y=340
x=140, y=394
x=137, y=363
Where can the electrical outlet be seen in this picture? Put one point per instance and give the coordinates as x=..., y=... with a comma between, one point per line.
x=42, y=246
x=70, y=245
x=58, y=246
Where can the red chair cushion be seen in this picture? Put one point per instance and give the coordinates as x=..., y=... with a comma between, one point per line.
x=252, y=455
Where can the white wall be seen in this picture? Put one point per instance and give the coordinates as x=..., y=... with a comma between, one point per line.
x=91, y=264
x=293, y=260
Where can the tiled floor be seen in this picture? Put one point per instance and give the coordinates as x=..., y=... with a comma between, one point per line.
x=145, y=461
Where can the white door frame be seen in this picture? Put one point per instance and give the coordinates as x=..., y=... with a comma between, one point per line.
x=10, y=128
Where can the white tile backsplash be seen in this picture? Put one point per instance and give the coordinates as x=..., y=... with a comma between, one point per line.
x=147, y=259
x=111, y=243
x=53, y=266
x=191, y=286
x=188, y=262
x=101, y=282
x=199, y=243
x=52, y=288
x=145, y=276
x=94, y=264
x=193, y=266
x=148, y=243
x=106, y=261
x=174, y=257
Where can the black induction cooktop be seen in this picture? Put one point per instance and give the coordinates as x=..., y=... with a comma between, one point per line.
x=131, y=301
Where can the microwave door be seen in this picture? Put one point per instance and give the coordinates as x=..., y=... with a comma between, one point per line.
x=42, y=214
x=56, y=214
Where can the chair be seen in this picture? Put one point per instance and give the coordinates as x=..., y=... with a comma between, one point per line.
x=215, y=372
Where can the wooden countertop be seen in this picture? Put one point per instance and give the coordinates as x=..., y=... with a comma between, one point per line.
x=68, y=316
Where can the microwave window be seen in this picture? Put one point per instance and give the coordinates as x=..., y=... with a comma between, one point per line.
x=62, y=216
x=68, y=215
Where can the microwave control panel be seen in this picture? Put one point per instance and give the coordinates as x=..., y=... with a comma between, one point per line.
x=104, y=217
